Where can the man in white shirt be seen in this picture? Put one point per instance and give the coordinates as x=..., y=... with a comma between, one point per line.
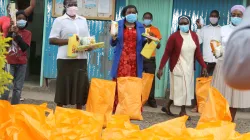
x=206, y=34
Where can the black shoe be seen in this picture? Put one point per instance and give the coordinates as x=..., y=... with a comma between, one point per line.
x=152, y=104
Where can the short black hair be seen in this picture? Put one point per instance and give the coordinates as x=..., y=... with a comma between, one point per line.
x=216, y=12
x=124, y=10
x=190, y=24
x=148, y=13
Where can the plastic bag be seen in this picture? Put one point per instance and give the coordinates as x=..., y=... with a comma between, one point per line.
x=216, y=108
x=101, y=97
x=129, y=97
x=72, y=124
x=114, y=28
x=202, y=89
x=73, y=43
x=147, y=80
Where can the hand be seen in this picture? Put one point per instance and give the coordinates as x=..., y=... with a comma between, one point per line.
x=204, y=72
x=89, y=49
x=159, y=74
x=151, y=34
x=198, y=23
x=158, y=45
x=12, y=23
x=14, y=29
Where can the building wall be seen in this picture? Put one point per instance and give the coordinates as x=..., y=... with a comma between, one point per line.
x=3, y=4
x=99, y=61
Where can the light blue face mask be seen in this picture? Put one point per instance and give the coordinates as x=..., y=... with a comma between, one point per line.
x=21, y=23
x=184, y=28
x=147, y=22
x=236, y=20
x=131, y=18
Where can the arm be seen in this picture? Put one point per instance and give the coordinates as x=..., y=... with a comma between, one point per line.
x=54, y=37
x=200, y=34
x=24, y=44
x=198, y=54
x=30, y=9
x=167, y=53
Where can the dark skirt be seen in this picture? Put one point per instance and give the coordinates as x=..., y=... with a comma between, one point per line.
x=72, y=82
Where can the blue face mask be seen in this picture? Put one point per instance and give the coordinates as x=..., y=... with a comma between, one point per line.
x=21, y=23
x=236, y=20
x=131, y=18
x=147, y=22
x=184, y=28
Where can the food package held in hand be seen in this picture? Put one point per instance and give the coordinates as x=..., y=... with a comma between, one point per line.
x=150, y=37
x=216, y=48
x=114, y=28
x=147, y=31
x=89, y=43
x=12, y=8
x=202, y=22
x=73, y=43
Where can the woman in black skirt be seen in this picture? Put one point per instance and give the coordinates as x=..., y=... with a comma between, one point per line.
x=72, y=77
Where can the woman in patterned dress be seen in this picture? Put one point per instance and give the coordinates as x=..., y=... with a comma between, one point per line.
x=128, y=44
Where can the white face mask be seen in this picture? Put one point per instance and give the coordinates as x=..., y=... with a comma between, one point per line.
x=72, y=11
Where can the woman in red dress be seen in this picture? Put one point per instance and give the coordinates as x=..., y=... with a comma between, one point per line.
x=128, y=44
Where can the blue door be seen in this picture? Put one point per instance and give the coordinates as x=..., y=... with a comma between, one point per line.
x=201, y=8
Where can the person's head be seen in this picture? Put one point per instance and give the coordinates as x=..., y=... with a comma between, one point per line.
x=214, y=17
x=70, y=7
x=184, y=24
x=237, y=14
x=147, y=18
x=21, y=19
x=130, y=12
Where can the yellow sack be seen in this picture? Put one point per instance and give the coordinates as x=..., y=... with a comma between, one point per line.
x=73, y=124
x=101, y=97
x=202, y=89
x=216, y=108
x=119, y=127
x=129, y=97
x=147, y=80
x=168, y=129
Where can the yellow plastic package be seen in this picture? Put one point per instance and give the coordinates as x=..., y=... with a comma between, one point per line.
x=73, y=124
x=216, y=108
x=101, y=97
x=129, y=97
x=73, y=43
x=147, y=80
x=148, y=49
x=203, y=85
x=89, y=43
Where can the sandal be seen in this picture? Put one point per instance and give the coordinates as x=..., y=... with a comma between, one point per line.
x=168, y=112
x=194, y=110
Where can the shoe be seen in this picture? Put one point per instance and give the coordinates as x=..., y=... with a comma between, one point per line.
x=152, y=104
x=168, y=112
x=21, y=99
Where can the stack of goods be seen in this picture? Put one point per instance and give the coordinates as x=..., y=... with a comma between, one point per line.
x=89, y=43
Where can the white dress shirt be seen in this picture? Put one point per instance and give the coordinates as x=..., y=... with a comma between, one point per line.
x=64, y=27
x=206, y=34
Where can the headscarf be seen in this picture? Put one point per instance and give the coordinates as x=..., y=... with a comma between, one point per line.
x=238, y=7
x=186, y=17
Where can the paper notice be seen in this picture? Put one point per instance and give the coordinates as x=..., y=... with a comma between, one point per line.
x=103, y=6
x=90, y=3
x=79, y=3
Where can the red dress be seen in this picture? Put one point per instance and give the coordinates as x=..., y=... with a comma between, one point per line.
x=127, y=66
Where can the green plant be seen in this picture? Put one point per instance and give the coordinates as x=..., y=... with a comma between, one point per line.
x=5, y=77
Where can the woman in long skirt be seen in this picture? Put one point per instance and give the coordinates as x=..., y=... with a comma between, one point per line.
x=235, y=98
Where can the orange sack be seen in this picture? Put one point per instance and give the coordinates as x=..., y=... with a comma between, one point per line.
x=203, y=85
x=129, y=97
x=101, y=97
x=147, y=80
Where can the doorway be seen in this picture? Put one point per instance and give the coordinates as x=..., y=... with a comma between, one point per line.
x=35, y=52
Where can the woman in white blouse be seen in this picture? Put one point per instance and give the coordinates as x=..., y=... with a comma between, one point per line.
x=72, y=77
x=236, y=99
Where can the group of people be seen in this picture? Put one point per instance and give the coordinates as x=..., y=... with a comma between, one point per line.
x=182, y=49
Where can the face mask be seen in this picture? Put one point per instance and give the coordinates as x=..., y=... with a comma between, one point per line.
x=236, y=20
x=71, y=11
x=213, y=20
x=184, y=28
x=147, y=22
x=131, y=18
x=21, y=23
